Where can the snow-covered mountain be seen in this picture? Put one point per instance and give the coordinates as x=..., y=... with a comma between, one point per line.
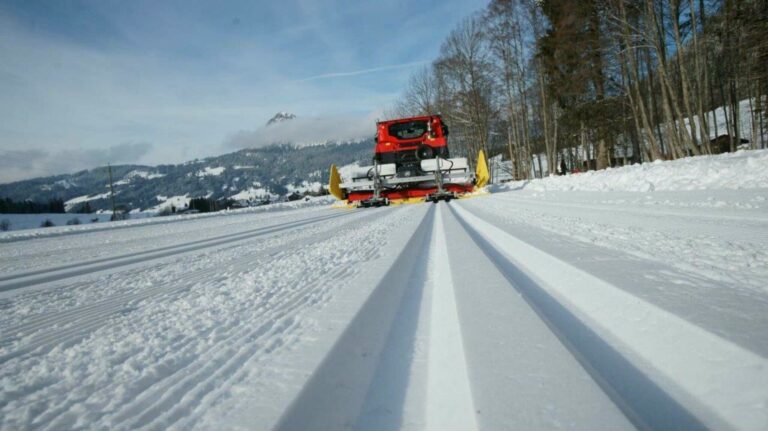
x=280, y=117
x=251, y=174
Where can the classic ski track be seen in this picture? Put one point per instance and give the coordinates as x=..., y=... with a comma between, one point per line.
x=79, y=246
x=331, y=399
x=501, y=263
x=336, y=393
x=449, y=403
x=26, y=279
x=321, y=406
x=165, y=400
x=81, y=321
x=649, y=397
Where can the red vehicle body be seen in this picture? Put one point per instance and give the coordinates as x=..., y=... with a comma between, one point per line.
x=405, y=142
x=408, y=134
x=411, y=163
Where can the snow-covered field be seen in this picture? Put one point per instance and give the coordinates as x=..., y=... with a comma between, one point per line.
x=545, y=305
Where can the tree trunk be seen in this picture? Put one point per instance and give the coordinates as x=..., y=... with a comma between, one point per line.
x=684, y=81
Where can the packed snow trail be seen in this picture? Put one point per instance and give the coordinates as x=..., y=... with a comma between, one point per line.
x=521, y=310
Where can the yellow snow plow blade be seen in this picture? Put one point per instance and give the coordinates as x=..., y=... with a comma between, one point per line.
x=481, y=173
x=334, y=184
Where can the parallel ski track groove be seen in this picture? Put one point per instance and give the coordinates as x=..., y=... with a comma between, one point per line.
x=82, y=268
x=644, y=403
x=329, y=400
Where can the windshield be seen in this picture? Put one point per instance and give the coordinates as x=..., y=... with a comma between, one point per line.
x=408, y=130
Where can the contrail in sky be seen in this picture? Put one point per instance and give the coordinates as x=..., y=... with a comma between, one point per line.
x=362, y=71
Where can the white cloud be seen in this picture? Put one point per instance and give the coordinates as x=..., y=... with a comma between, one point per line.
x=308, y=131
x=21, y=164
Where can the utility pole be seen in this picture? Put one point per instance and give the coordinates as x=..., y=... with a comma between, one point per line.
x=112, y=193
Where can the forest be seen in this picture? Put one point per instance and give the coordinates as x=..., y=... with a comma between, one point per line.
x=597, y=83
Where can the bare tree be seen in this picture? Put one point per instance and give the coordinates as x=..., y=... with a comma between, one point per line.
x=420, y=96
x=462, y=73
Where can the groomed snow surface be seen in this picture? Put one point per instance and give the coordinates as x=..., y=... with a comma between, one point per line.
x=540, y=306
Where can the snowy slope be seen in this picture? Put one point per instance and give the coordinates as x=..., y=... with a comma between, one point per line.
x=530, y=308
x=739, y=170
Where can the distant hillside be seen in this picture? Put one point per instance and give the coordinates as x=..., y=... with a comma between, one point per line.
x=247, y=174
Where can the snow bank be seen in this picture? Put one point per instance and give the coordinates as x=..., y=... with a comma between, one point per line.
x=740, y=170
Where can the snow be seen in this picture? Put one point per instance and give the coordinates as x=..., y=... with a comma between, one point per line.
x=65, y=184
x=74, y=202
x=716, y=121
x=577, y=302
x=733, y=171
x=451, y=407
x=168, y=203
x=721, y=128
x=353, y=170
x=254, y=194
x=138, y=174
x=657, y=337
x=209, y=171
x=144, y=174
x=305, y=186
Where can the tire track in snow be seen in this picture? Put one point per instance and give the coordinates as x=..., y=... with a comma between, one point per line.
x=17, y=281
x=643, y=357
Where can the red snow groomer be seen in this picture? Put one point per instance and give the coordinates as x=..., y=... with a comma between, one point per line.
x=411, y=163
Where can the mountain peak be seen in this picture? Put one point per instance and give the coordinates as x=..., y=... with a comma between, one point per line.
x=280, y=117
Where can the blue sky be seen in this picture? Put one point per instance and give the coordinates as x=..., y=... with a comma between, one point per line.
x=87, y=82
